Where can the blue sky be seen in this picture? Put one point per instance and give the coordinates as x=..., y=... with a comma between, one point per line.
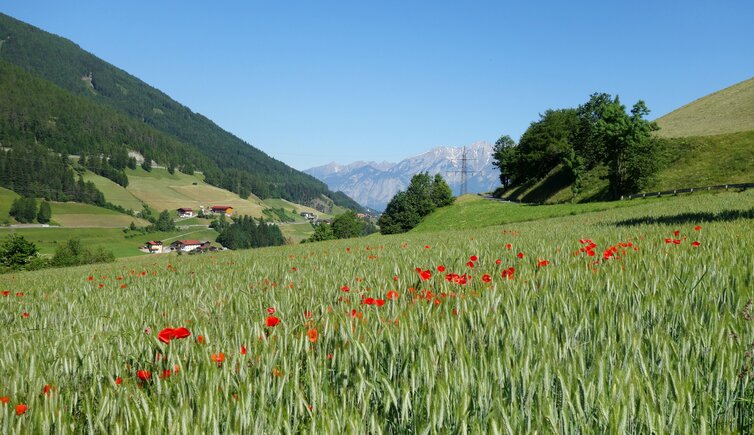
x=310, y=82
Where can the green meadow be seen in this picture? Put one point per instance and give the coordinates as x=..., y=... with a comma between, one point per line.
x=508, y=328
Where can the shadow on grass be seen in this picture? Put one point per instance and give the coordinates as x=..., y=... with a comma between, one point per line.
x=685, y=218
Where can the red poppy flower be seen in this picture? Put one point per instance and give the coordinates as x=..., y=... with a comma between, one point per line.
x=441, y=268
x=677, y=233
x=218, y=357
x=308, y=314
x=424, y=274
x=165, y=374
x=486, y=278
x=697, y=228
x=369, y=301
x=144, y=375
x=498, y=261
x=676, y=242
x=5, y=400
x=46, y=390
x=345, y=288
x=508, y=246
x=313, y=335
x=426, y=246
x=272, y=321
x=19, y=294
x=118, y=380
x=91, y=278
x=470, y=264
x=271, y=310
x=543, y=263
x=473, y=258
x=668, y=240
x=243, y=350
x=6, y=292
x=21, y=409
x=695, y=244
x=520, y=255
x=168, y=334
x=25, y=315
x=392, y=294
x=200, y=339
x=379, y=302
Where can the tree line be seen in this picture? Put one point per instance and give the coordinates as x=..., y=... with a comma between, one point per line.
x=598, y=132
x=245, y=232
x=406, y=209
x=17, y=253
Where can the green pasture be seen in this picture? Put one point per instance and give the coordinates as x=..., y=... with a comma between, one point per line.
x=114, y=193
x=6, y=200
x=646, y=336
x=78, y=215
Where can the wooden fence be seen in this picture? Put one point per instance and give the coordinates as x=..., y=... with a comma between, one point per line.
x=742, y=186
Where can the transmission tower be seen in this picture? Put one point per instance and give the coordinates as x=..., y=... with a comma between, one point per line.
x=464, y=172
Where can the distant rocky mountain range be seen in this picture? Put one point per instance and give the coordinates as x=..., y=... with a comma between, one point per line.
x=373, y=184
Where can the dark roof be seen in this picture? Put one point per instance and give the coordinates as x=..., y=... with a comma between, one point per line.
x=154, y=242
x=221, y=207
x=189, y=242
x=185, y=209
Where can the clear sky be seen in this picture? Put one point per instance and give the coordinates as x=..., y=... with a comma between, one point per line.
x=315, y=81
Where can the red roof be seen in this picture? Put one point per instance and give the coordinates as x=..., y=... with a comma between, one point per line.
x=190, y=242
x=221, y=207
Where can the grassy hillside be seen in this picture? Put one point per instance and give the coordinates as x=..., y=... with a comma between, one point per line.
x=6, y=200
x=727, y=111
x=163, y=191
x=114, y=192
x=649, y=339
x=76, y=215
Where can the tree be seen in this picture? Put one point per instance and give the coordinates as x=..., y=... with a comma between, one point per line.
x=631, y=150
x=17, y=252
x=504, y=158
x=164, y=222
x=442, y=194
x=347, y=225
x=45, y=213
x=545, y=144
x=322, y=232
x=73, y=253
x=147, y=164
x=24, y=209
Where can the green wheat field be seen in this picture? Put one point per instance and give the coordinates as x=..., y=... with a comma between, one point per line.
x=623, y=320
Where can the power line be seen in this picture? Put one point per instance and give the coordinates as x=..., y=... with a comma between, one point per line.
x=464, y=172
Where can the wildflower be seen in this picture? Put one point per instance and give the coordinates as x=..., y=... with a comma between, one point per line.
x=697, y=228
x=379, y=302
x=520, y=255
x=272, y=321
x=118, y=380
x=6, y=292
x=508, y=246
x=91, y=278
x=21, y=409
x=5, y=400
x=25, y=315
x=677, y=233
x=470, y=264
x=168, y=334
x=392, y=294
x=218, y=358
x=144, y=375
x=165, y=374
x=695, y=244
x=542, y=263
x=46, y=390
x=308, y=314
x=243, y=350
x=424, y=274
x=369, y=301
x=441, y=268
x=345, y=288
x=473, y=258
x=200, y=339
x=498, y=261
x=486, y=278
x=271, y=310
x=313, y=335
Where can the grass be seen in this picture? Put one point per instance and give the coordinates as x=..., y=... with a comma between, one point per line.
x=6, y=200
x=77, y=215
x=297, y=231
x=476, y=212
x=650, y=340
x=163, y=191
x=114, y=193
x=707, y=161
x=727, y=111
x=111, y=239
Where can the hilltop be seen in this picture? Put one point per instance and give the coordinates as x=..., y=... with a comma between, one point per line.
x=730, y=110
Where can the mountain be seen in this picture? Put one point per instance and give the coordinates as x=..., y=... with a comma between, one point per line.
x=148, y=121
x=374, y=184
x=730, y=110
